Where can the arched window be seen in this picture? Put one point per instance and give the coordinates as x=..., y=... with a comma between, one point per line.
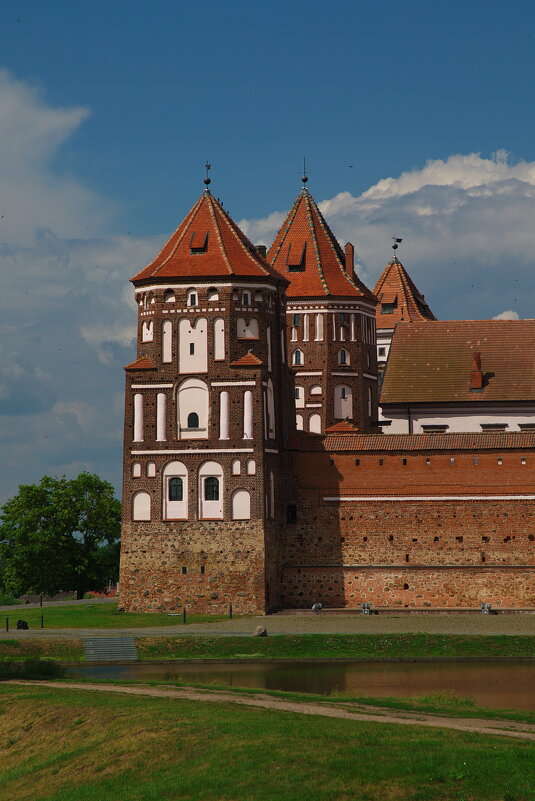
x=193, y=345
x=136, y=470
x=246, y=299
x=316, y=390
x=298, y=357
x=213, y=295
x=299, y=422
x=175, y=489
x=138, y=417
x=192, y=297
x=319, y=328
x=258, y=297
x=343, y=356
x=251, y=467
x=219, y=339
x=141, y=506
x=151, y=469
x=211, y=489
x=167, y=341
x=169, y=296
x=241, y=505
x=147, y=331
x=192, y=409
x=235, y=467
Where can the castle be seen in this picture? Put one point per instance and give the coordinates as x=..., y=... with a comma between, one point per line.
x=256, y=468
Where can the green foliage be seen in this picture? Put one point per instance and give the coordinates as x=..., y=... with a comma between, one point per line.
x=60, y=534
x=6, y=599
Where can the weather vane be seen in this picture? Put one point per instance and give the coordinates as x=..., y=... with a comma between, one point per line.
x=397, y=242
x=304, y=179
x=207, y=180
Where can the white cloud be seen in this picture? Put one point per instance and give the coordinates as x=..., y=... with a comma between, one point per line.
x=509, y=314
x=467, y=226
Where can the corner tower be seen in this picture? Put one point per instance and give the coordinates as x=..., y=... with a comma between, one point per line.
x=206, y=415
x=330, y=323
x=399, y=302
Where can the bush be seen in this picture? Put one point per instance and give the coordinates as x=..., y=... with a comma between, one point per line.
x=35, y=668
x=6, y=599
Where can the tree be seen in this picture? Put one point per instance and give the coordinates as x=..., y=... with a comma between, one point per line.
x=60, y=535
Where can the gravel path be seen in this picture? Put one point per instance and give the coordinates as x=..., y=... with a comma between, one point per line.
x=312, y=624
x=360, y=712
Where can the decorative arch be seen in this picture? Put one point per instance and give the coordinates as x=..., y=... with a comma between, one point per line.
x=316, y=390
x=314, y=424
x=241, y=505
x=210, y=491
x=147, y=332
x=167, y=341
x=193, y=345
x=299, y=422
x=343, y=402
x=141, y=506
x=235, y=467
x=251, y=467
x=192, y=297
x=247, y=329
x=298, y=357
x=175, y=491
x=213, y=294
x=192, y=399
x=169, y=296
x=219, y=339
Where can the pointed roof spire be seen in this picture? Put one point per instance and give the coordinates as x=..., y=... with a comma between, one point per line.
x=207, y=244
x=306, y=252
x=396, y=291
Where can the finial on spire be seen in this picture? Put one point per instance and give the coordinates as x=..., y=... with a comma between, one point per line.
x=207, y=180
x=304, y=179
x=397, y=243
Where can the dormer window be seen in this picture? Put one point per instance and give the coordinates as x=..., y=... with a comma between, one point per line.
x=388, y=308
x=199, y=242
x=192, y=297
x=295, y=258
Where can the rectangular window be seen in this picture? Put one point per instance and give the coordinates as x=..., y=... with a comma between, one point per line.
x=191, y=348
x=297, y=320
x=357, y=462
x=388, y=308
x=381, y=462
x=404, y=462
x=382, y=351
x=184, y=571
x=202, y=570
x=342, y=318
x=433, y=428
x=493, y=426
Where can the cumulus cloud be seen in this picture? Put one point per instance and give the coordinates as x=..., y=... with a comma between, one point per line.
x=467, y=226
x=509, y=314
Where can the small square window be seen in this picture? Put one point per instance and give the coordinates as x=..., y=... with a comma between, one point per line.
x=381, y=462
x=357, y=462
x=404, y=462
x=382, y=352
x=184, y=570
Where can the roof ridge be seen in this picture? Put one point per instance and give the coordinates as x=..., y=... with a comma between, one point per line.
x=218, y=232
x=306, y=194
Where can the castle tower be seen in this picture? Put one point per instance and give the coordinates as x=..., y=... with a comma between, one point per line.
x=208, y=406
x=330, y=323
x=399, y=301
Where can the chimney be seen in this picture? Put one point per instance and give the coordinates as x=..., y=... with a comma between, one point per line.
x=350, y=259
x=261, y=250
x=476, y=376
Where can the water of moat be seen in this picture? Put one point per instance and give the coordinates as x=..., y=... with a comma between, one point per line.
x=503, y=685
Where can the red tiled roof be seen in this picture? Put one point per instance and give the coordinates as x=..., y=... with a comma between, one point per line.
x=249, y=360
x=207, y=244
x=343, y=427
x=143, y=363
x=431, y=362
x=306, y=242
x=498, y=440
x=395, y=286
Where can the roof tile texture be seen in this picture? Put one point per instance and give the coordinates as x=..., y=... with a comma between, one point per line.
x=413, y=442
x=324, y=262
x=224, y=249
x=395, y=286
x=431, y=362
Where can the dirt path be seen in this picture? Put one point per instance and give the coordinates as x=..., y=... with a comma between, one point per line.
x=361, y=712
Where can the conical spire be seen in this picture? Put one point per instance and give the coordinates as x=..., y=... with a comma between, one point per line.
x=207, y=244
x=306, y=252
x=400, y=300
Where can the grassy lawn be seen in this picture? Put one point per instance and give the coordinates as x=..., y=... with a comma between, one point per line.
x=305, y=646
x=99, y=616
x=57, y=745
x=290, y=646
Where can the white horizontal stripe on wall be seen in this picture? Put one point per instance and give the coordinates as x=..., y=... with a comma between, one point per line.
x=193, y=450
x=232, y=383
x=152, y=386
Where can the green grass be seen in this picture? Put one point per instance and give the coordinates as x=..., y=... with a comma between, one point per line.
x=59, y=745
x=307, y=646
x=99, y=616
x=292, y=646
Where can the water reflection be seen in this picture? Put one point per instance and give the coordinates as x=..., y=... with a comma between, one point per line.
x=508, y=685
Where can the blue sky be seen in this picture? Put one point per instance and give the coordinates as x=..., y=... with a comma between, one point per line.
x=416, y=118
